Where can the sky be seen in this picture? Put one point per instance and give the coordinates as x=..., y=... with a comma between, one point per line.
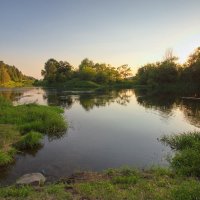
x=117, y=32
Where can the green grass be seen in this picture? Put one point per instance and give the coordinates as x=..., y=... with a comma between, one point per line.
x=188, y=190
x=22, y=126
x=152, y=184
x=30, y=141
x=186, y=160
x=32, y=117
x=8, y=136
x=7, y=157
x=49, y=192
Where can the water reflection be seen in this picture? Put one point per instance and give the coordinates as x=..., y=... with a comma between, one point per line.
x=65, y=99
x=191, y=110
x=110, y=129
x=167, y=102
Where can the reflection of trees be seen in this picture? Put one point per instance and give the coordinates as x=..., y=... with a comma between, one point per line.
x=89, y=101
x=58, y=99
x=191, y=110
x=166, y=102
x=11, y=94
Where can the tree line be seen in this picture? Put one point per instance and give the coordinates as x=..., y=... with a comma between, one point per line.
x=169, y=71
x=62, y=71
x=11, y=73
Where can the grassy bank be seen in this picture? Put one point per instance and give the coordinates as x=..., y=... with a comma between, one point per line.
x=23, y=126
x=113, y=184
x=76, y=84
x=13, y=84
x=178, y=182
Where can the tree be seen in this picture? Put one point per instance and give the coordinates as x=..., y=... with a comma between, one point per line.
x=64, y=71
x=169, y=56
x=191, y=71
x=86, y=63
x=50, y=70
x=124, y=71
x=4, y=76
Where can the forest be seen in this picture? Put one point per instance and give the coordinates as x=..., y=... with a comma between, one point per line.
x=10, y=74
x=169, y=71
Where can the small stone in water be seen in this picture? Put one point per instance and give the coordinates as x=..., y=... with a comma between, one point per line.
x=31, y=179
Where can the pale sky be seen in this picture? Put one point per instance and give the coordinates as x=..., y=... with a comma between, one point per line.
x=116, y=32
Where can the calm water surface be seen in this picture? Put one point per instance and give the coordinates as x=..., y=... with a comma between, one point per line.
x=106, y=129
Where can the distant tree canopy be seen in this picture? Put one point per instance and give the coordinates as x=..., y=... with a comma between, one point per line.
x=62, y=71
x=55, y=71
x=169, y=71
x=11, y=73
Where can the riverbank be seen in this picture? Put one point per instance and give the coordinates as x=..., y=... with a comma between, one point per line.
x=112, y=184
x=22, y=127
x=178, y=182
x=14, y=84
x=76, y=84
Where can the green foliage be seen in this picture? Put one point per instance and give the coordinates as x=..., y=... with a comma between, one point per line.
x=125, y=180
x=10, y=75
x=62, y=72
x=53, y=191
x=7, y=157
x=58, y=191
x=181, y=141
x=187, y=190
x=55, y=71
x=161, y=171
x=152, y=185
x=4, y=76
x=15, y=192
x=123, y=171
x=99, y=190
x=34, y=117
x=30, y=141
x=169, y=72
x=186, y=160
x=31, y=120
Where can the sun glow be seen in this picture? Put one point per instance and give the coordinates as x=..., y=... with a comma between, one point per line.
x=187, y=47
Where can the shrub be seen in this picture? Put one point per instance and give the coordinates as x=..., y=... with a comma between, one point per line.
x=186, y=160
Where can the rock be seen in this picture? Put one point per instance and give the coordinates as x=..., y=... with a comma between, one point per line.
x=31, y=179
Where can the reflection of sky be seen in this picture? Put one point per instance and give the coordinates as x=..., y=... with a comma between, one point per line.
x=112, y=31
x=106, y=136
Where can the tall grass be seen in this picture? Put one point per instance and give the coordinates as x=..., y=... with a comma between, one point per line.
x=186, y=160
x=30, y=141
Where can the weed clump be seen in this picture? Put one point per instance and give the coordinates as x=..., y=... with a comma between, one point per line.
x=30, y=141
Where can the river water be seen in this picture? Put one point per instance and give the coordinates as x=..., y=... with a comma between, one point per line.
x=106, y=129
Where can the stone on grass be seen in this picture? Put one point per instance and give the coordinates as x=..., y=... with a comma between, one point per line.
x=31, y=179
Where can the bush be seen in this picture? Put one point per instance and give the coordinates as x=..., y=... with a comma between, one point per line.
x=186, y=160
x=181, y=141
